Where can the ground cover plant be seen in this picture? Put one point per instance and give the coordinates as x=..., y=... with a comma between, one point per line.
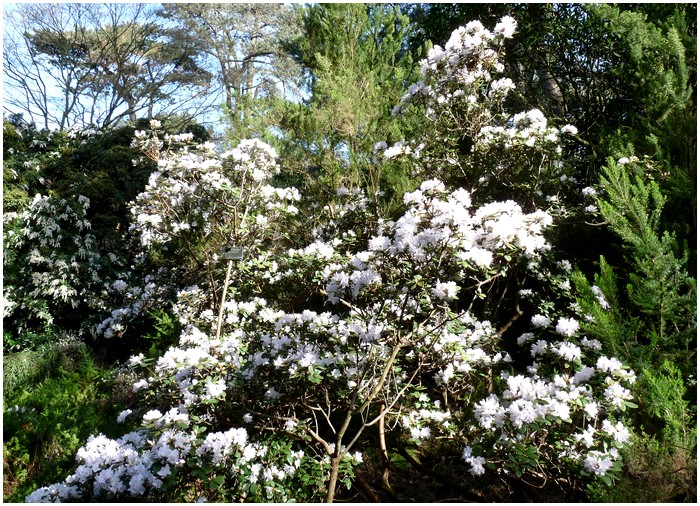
x=286, y=343
x=50, y=412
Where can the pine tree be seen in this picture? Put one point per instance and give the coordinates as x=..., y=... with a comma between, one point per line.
x=659, y=287
x=357, y=69
x=653, y=325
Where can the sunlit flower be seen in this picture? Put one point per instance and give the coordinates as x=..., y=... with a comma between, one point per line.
x=619, y=432
x=568, y=351
x=540, y=321
x=597, y=463
x=445, y=291
x=606, y=364
x=567, y=327
x=122, y=416
x=505, y=27
x=617, y=394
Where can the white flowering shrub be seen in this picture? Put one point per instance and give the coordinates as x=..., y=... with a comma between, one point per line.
x=532, y=424
x=390, y=322
x=403, y=330
x=142, y=461
x=474, y=139
x=51, y=264
x=195, y=205
x=374, y=329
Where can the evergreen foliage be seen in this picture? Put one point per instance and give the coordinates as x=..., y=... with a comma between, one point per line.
x=656, y=316
x=659, y=287
x=610, y=322
x=357, y=69
x=657, y=65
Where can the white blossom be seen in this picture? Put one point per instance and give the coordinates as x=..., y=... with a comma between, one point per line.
x=505, y=27
x=540, y=321
x=446, y=291
x=568, y=351
x=597, y=463
x=567, y=326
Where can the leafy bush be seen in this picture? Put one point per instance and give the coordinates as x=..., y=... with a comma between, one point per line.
x=654, y=316
x=65, y=213
x=53, y=272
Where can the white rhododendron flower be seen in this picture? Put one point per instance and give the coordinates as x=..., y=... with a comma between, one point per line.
x=567, y=326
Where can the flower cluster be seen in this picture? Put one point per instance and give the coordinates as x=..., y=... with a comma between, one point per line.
x=134, y=301
x=194, y=192
x=568, y=383
x=524, y=129
x=474, y=139
x=143, y=461
x=470, y=56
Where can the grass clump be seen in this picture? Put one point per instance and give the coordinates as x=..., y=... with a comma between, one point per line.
x=31, y=365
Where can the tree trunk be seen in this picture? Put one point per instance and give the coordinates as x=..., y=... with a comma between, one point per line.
x=551, y=90
x=333, y=480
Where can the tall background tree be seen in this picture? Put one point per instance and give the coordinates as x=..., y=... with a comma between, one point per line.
x=241, y=45
x=357, y=66
x=76, y=65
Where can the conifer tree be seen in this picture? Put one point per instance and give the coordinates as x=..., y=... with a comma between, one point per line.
x=357, y=69
x=659, y=286
x=654, y=317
